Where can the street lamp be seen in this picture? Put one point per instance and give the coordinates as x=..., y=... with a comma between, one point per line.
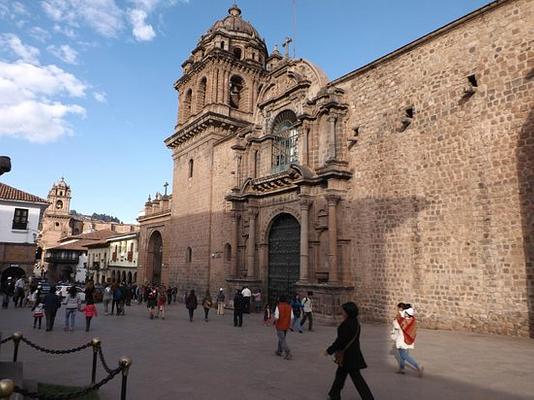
x=5, y=164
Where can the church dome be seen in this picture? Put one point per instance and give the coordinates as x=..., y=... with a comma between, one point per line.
x=234, y=23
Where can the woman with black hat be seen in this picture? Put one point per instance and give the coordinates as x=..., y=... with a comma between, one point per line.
x=348, y=356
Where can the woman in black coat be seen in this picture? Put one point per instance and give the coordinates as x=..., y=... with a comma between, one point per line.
x=191, y=304
x=348, y=342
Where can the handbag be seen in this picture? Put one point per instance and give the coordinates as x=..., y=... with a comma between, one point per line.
x=340, y=354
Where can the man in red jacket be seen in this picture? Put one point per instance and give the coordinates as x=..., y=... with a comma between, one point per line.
x=283, y=315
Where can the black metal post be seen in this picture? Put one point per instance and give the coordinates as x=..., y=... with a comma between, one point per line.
x=95, y=342
x=17, y=336
x=125, y=363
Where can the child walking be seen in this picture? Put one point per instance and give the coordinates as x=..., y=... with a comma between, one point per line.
x=38, y=312
x=90, y=311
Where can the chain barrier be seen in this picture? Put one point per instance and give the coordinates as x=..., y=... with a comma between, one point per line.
x=124, y=365
x=53, y=351
x=7, y=339
x=103, y=361
x=73, y=395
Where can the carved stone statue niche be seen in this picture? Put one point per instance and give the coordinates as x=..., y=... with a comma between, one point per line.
x=236, y=87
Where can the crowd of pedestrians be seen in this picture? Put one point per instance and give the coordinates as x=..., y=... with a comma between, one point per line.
x=285, y=315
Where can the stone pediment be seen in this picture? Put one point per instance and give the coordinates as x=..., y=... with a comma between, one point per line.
x=289, y=179
x=292, y=76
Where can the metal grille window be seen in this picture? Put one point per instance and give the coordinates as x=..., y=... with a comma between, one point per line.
x=20, y=219
x=285, y=143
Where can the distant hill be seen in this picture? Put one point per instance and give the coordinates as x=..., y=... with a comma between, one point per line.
x=95, y=216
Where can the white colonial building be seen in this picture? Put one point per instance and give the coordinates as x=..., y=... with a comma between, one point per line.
x=114, y=259
x=20, y=216
x=123, y=257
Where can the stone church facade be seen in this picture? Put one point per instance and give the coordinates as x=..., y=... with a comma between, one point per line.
x=408, y=179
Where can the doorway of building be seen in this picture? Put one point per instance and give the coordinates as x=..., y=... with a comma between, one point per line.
x=284, y=256
x=155, y=257
x=11, y=272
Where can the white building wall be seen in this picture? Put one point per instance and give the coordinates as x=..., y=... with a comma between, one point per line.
x=10, y=235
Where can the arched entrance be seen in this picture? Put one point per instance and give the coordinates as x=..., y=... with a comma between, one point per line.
x=155, y=253
x=13, y=272
x=284, y=256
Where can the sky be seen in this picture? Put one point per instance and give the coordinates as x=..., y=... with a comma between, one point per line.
x=86, y=86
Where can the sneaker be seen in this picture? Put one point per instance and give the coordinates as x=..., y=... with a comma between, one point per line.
x=400, y=371
x=420, y=371
x=288, y=356
x=279, y=354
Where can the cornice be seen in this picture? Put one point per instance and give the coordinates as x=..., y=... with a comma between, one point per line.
x=200, y=124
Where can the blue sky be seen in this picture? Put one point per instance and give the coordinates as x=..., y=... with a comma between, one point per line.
x=86, y=85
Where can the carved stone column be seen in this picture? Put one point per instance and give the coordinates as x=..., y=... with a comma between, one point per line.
x=235, y=243
x=305, y=203
x=332, y=200
x=332, y=138
x=251, y=247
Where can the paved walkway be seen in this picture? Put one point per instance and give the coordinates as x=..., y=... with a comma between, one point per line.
x=176, y=359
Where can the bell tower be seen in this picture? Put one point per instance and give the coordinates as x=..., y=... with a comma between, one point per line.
x=223, y=75
x=59, y=198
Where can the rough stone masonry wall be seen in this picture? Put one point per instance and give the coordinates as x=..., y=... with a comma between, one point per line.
x=190, y=218
x=436, y=210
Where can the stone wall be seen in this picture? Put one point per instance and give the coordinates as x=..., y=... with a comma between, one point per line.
x=18, y=254
x=434, y=205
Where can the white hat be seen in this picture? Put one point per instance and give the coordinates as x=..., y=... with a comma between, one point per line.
x=410, y=311
x=221, y=289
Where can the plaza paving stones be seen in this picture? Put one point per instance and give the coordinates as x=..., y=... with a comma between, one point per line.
x=176, y=359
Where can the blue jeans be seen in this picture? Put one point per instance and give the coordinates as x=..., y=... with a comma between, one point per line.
x=296, y=324
x=282, y=344
x=405, y=357
x=70, y=313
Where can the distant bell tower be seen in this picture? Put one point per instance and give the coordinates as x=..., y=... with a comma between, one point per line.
x=59, y=198
x=224, y=72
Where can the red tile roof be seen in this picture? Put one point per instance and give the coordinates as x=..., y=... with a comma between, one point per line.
x=10, y=193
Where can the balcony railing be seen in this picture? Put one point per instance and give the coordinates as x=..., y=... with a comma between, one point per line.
x=62, y=257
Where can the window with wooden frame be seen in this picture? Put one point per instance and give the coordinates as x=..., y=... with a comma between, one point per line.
x=20, y=218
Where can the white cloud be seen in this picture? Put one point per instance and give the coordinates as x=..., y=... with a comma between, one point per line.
x=13, y=44
x=100, y=97
x=146, y=5
x=37, y=121
x=32, y=104
x=39, y=34
x=104, y=16
x=65, y=53
x=140, y=29
x=12, y=9
x=65, y=30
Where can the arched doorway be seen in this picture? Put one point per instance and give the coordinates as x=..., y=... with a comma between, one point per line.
x=129, y=277
x=155, y=253
x=284, y=256
x=13, y=272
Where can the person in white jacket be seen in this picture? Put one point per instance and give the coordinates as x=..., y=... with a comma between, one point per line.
x=403, y=334
x=72, y=303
